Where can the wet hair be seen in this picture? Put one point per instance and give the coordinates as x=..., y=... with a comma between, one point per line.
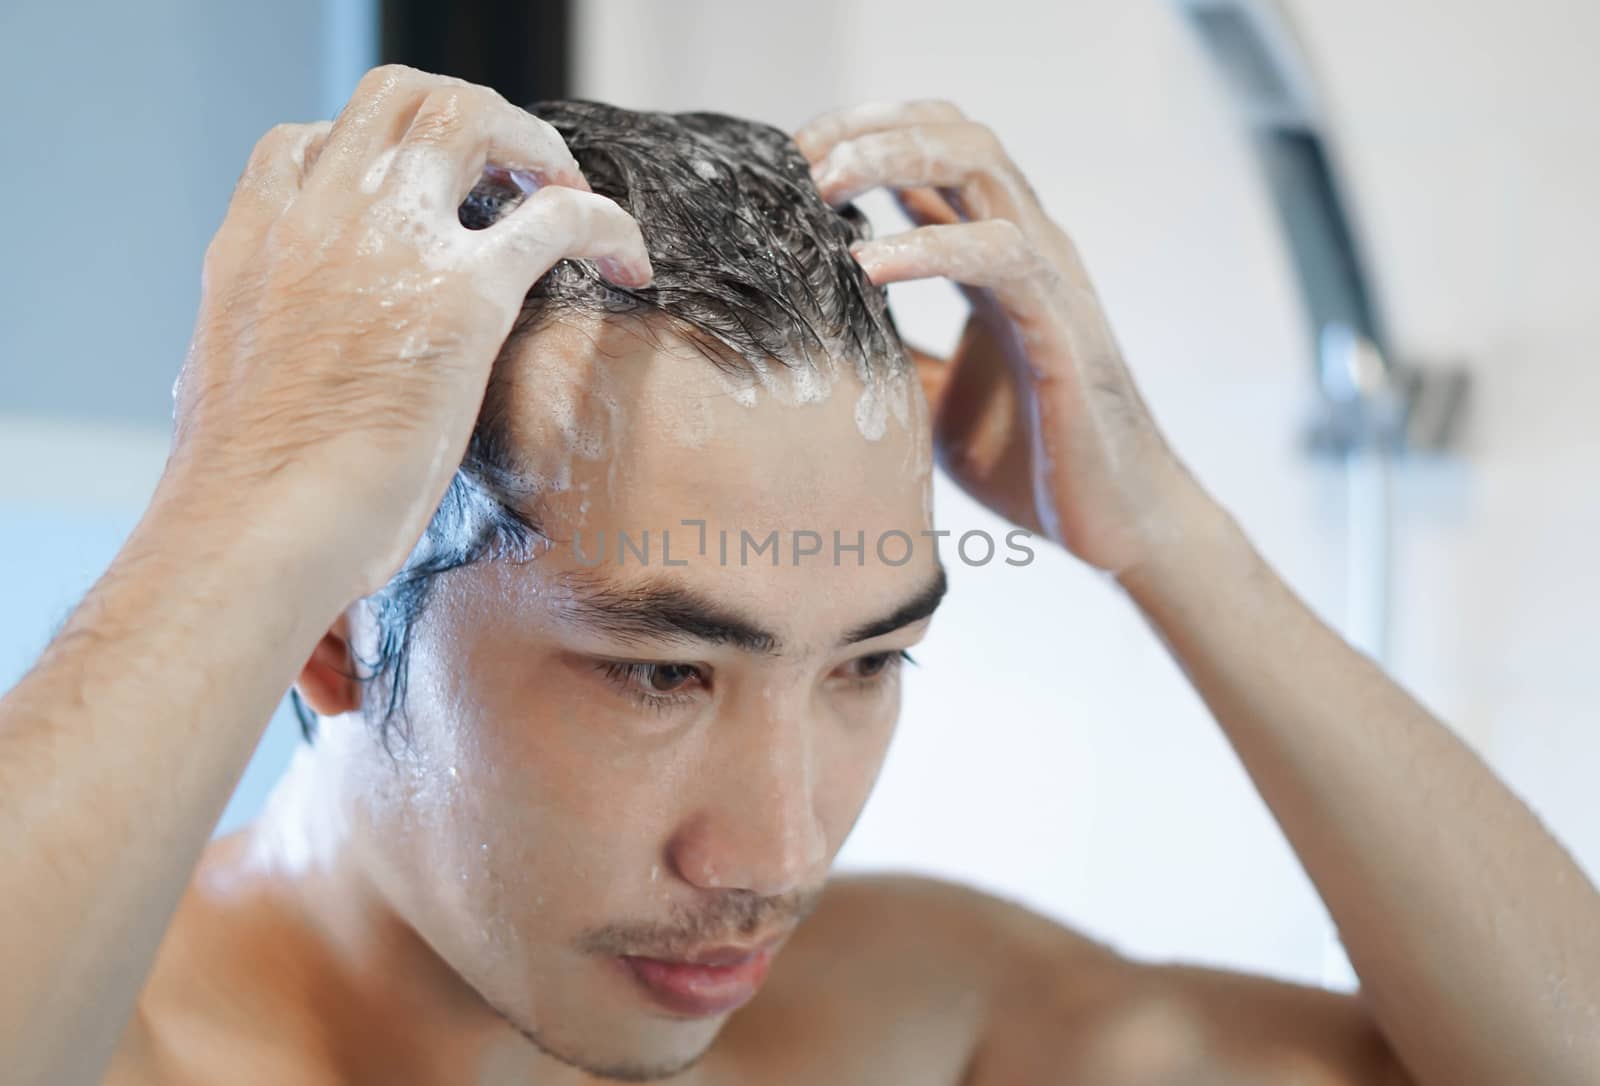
x=750, y=264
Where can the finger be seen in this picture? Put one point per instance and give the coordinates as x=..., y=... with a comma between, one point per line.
x=966, y=157
x=371, y=123
x=271, y=180
x=821, y=134
x=993, y=254
x=927, y=206
x=459, y=130
x=558, y=223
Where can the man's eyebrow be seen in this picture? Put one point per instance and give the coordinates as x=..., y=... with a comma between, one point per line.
x=656, y=611
x=915, y=609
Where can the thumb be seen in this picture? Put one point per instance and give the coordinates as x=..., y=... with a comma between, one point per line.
x=557, y=223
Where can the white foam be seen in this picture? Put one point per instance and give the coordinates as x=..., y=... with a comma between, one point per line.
x=810, y=384
x=373, y=178
x=882, y=396
x=872, y=413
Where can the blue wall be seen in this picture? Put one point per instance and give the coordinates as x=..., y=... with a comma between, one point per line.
x=133, y=122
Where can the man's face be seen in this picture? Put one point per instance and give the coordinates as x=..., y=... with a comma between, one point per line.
x=619, y=757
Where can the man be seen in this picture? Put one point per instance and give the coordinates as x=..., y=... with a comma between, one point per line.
x=567, y=798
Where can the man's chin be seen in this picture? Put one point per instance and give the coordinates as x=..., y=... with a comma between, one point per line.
x=616, y=1068
x=672, y=1048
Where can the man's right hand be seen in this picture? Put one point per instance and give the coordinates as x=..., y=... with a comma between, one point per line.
x=348, y=321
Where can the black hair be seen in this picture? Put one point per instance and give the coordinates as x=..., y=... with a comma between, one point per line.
x=750, y=264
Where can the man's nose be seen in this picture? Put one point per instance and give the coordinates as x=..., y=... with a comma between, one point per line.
x=756, y=826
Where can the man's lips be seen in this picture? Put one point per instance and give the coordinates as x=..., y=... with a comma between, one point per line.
x=703, y=983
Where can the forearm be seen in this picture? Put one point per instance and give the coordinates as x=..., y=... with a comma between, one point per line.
x=117, y=753
x=1476, y=937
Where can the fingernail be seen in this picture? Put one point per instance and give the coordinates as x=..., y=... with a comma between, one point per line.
x=523, y=180
x=623, y=275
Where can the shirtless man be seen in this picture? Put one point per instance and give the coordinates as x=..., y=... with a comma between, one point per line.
x=564, y=808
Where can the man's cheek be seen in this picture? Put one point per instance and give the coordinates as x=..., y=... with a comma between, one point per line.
x=537, y=773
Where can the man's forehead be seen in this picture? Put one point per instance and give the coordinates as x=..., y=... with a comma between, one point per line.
x=617, y=434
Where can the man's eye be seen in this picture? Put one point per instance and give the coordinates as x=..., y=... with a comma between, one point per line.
x=866, y=668
x=656, y=686
x=664, y=678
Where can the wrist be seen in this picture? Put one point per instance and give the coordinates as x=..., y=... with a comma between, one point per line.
x=1188, y=536
x=246, y=543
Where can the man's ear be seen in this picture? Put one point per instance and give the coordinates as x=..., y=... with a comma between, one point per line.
x=328, y=681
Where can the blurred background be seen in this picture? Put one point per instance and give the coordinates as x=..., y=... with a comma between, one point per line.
x=1049, y=750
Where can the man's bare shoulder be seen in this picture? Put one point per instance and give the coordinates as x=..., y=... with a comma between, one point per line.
x=1031, y=1000
x=224, y=995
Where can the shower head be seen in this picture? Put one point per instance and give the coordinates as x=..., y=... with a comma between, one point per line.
x=1252, y=46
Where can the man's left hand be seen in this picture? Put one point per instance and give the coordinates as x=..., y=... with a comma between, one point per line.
x=1035, y=415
